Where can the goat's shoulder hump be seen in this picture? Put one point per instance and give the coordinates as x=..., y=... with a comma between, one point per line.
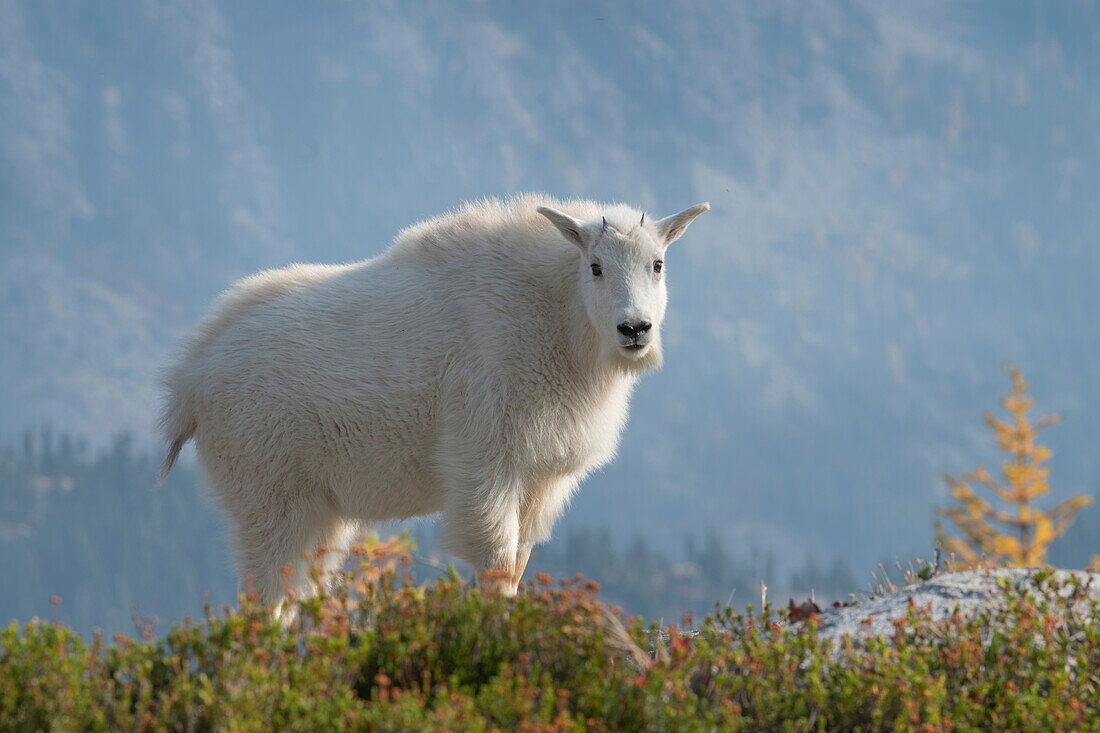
x=512, y=222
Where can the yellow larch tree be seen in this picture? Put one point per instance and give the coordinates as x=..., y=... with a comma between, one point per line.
x=1011, y=529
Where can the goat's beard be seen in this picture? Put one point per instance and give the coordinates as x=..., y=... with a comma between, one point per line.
x=649, y=361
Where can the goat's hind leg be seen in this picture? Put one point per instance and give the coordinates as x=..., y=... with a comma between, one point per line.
x=331, y=550
x=273, y=541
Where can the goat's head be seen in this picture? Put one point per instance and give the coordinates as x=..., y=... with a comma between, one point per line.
x=622, y=277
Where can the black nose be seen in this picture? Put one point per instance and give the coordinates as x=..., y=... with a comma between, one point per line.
x=633, y=329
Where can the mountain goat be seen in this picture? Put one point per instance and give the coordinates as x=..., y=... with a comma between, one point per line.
x=480, y=367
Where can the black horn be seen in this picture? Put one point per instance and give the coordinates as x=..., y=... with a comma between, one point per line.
x=642, y=222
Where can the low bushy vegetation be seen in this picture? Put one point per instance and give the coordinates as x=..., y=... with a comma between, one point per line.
x=382, y=653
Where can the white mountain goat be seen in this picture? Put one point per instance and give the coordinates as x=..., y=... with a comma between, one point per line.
x=480, y=367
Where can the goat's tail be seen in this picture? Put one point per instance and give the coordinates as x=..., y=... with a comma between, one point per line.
x=179, y=424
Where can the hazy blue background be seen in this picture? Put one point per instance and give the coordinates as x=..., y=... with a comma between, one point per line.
x=905, y=201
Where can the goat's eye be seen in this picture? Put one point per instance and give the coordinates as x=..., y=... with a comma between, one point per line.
x=657, y=265
x=596, y=269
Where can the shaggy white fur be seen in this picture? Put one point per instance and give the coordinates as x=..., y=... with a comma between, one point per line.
x=480, y=367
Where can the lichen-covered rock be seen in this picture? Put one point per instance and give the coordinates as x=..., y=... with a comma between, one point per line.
x=968, y=593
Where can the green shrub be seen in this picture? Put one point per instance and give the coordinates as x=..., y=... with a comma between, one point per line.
x=380, y=653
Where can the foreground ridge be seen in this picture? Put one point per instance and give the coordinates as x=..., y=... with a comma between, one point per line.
x=1010, y=649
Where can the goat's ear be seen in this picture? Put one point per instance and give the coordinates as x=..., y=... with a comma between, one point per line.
x=673, y=227
x=575, y=230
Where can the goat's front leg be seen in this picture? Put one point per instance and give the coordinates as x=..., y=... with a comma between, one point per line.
x=481, y=525
x=542, y=504
x=523, y=554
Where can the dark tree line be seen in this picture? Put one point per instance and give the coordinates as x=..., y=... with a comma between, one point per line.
x=92, y=529
x=662, y=583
